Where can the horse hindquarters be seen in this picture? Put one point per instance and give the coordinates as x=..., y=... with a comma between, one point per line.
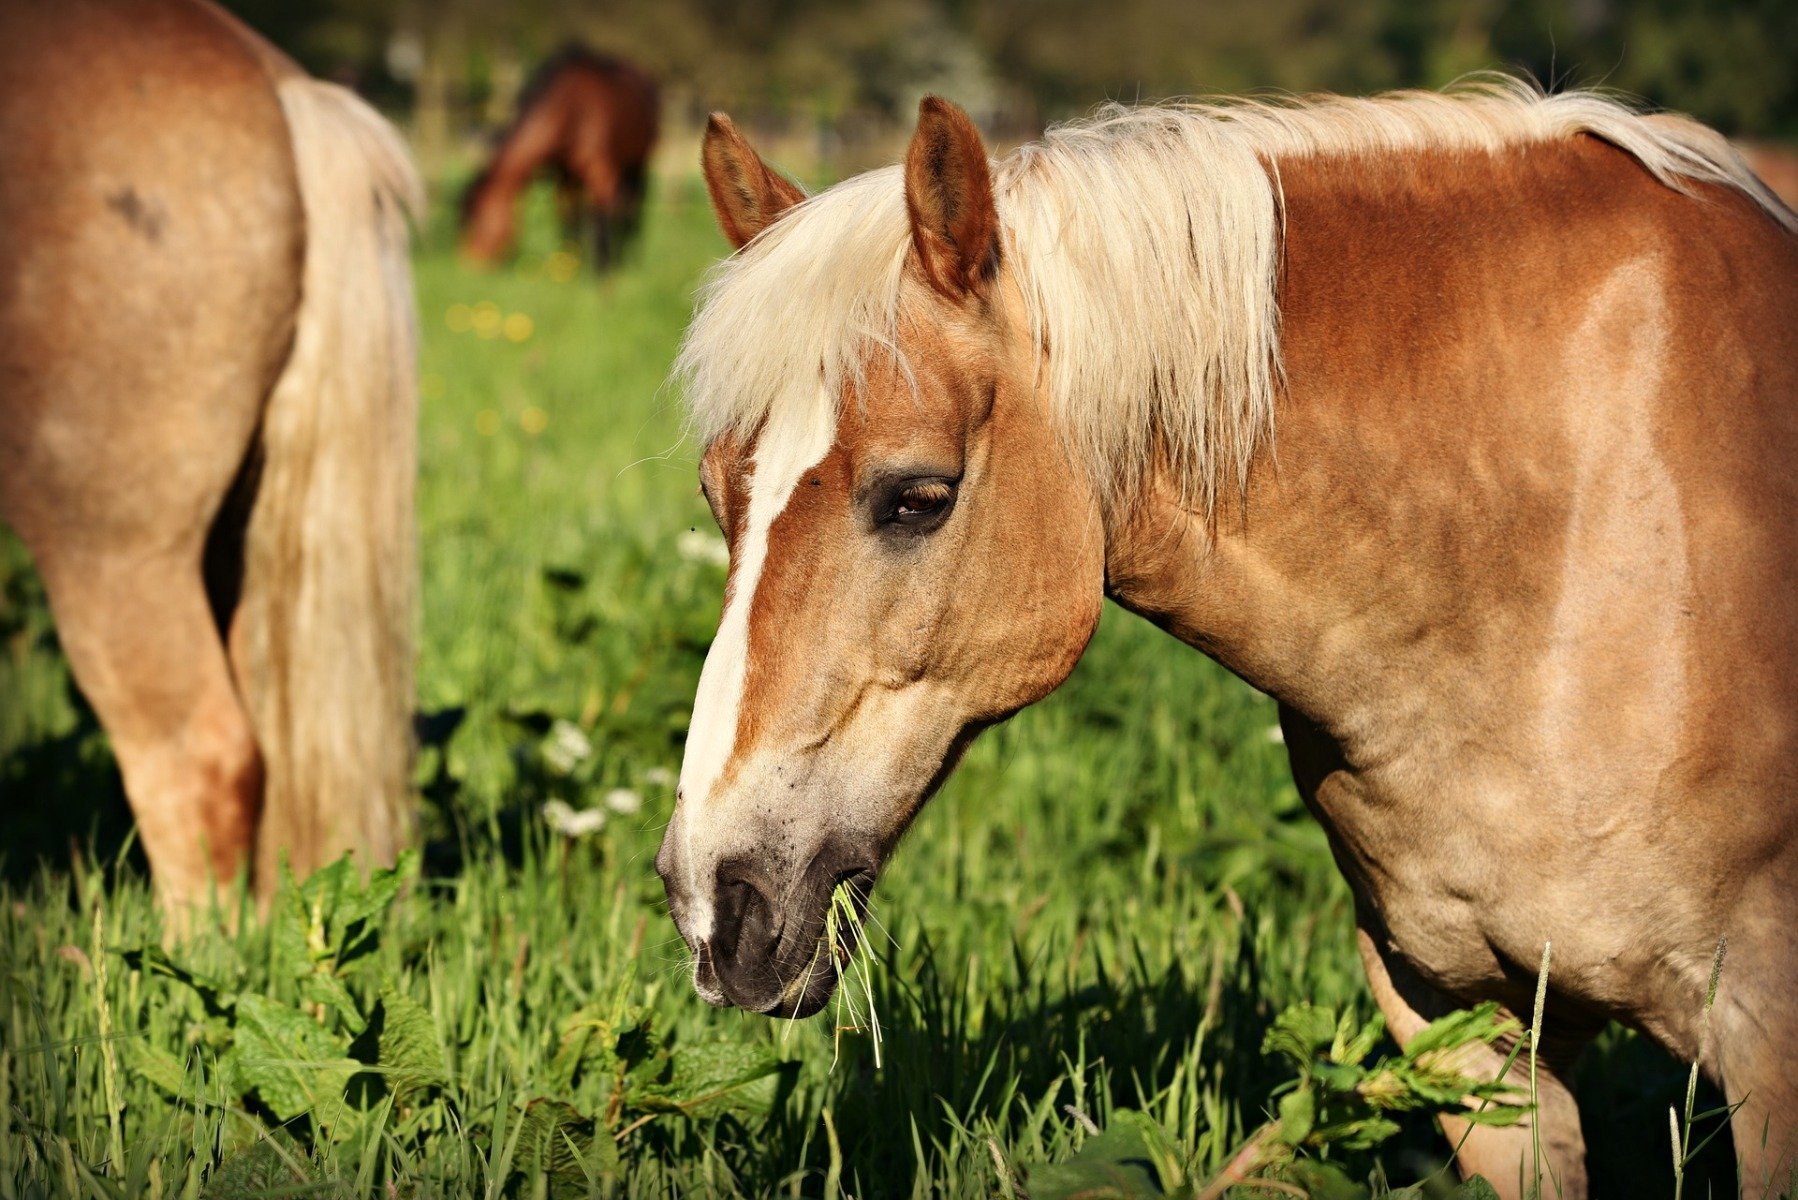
x=148, y=305
x=323, y=639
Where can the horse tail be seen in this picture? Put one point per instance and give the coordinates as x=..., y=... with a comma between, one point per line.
x=324, y=628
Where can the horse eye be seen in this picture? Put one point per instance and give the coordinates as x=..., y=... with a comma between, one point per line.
x=922, y=499
x=919, y=504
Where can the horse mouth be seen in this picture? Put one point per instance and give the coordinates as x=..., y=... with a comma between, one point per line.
x=835, y=936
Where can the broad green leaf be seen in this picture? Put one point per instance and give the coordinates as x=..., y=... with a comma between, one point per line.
x=356, y=933
x=1300, y=1033
x=1298, y=1113
x=636, y=1045
x=272, y=1165
x=1475, y=1188
x=1120, y=1163
x=576, y=1168
x=1162, y=1149
x=582, y=1042
x=1442, y=1089
x=558, y=1143
x=290, y=922
x=288, y=1059
x=383, y=888
x=1386, y=1087
x=1360, y=1133
x=1320, y=1181
x=1481, y=1023
x=157, y=1065
x=1361, y=1044
x=409, y=1050
x=705, y=1081
x=324, y=892
x=321, y=987
x=1338, y=1077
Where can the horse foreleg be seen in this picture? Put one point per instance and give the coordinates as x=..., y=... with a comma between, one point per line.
x=599, y=184
x=569, y=208
x=1505, y=1156
x=142, y=643
x=1753, y=1041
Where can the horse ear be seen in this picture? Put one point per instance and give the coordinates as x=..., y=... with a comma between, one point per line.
x=746, y=193
x=949, y=193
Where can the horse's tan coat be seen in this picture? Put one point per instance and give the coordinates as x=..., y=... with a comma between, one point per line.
x=1520, y=575
x=212, y=468
x=1522, y=607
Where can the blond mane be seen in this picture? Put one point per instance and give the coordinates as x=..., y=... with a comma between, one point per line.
x=1146, y=243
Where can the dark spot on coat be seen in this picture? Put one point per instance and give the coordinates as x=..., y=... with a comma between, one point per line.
x=145, y=216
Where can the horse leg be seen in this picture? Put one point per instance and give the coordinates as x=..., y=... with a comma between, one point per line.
x=1754, y=1044
x=144, y=648
x=599, y=184
x=1505, y=1156
x=568, y=206
x=632, y=190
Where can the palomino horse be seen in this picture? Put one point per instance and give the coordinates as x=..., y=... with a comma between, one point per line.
x=591, y=120
x=1521, y=574
x=207, y=424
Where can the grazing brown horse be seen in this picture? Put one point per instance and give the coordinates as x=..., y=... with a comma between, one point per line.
x=590, y=120
x=1522, y=574
x=207, y=424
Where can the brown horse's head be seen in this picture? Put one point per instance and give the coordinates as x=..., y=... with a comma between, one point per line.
x=486, y=219
x=913, y=555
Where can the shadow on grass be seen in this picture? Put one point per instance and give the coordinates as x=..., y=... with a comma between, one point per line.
x=62, y=801
x=1625, y=1085
x=962, y=1063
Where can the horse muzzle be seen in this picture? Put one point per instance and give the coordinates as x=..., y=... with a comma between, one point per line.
x=772, y=949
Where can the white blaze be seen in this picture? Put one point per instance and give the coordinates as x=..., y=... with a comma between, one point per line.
x=792, y=442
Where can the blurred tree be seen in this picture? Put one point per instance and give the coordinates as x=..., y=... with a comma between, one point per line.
x=1734, y=65
x=1066, y=55
x=838, y=64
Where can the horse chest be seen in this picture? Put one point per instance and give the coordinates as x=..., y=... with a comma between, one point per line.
x=1434, y=878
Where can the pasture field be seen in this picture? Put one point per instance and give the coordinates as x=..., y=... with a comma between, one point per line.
x=1104, y=909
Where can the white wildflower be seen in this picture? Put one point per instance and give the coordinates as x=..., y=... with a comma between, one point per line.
x=573, y=822
x=566, y=747
x=659, y=777
x=624, y=801
x=696, y=546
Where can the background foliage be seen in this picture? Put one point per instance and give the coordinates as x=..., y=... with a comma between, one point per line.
x=845, y=65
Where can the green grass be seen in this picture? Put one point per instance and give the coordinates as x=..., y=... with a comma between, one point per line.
x=1105, y=908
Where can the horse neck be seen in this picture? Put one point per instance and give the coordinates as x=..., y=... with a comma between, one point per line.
x=1399, y=522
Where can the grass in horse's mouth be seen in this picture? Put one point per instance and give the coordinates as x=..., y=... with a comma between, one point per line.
x=843, y=923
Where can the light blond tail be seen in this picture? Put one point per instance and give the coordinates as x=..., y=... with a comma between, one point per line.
x=330, y=572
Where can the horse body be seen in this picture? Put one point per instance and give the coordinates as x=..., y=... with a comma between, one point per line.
x=1520, y=582
x=591, y=120
x=1517, y=565
x=205, y=412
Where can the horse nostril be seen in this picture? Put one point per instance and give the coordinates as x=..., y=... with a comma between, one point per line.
x=664, y=863
x=743, y=924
